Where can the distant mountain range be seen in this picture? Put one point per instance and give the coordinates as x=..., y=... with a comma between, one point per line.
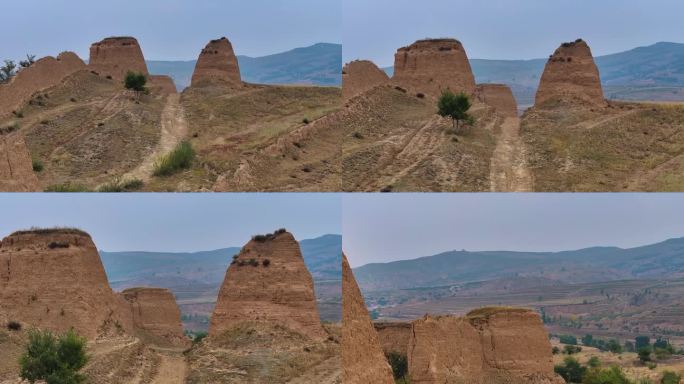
x=322, y=255
x=657, y=261
x=319, y=64
x=655, y=72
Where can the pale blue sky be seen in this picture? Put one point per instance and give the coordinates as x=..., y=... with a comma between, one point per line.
x=167, y=29
x=173, y=222
x=508, y=29
x=387, y=227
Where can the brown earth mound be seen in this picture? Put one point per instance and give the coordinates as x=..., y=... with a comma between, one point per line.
x=571, y=74
x=434, y=65
x=54, y=279
x=44, y=73
x=491, y=345
x=268, y=282
x=156, y=316
x=500, y=97
x=394, y=337
x=217, y=64
x=16, y=168
x=360, y=76
x=362, y=358
x=162, y=84
x=115, y=56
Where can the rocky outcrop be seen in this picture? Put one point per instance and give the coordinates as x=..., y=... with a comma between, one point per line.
x=500, y=97
x=487, y=346
x=115, y=56
x=571, y=75
x=156, y=316
x=16, y=166
x=394, y=337
x=44, y=73
x=54, y=279
x=162, y=84
x=362, y=358
x=359, y=76
x=434, y=65
x=268, y=282
x=217, y=64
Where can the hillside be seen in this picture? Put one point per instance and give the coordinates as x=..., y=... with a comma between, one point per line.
x=654, y=72
x=319, y=64
x=661, y=260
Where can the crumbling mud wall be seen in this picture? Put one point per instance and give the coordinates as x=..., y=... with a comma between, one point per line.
x=16, y=166
x=359, y=76
x=500, y=97
x=116, y=56
x=217, y=64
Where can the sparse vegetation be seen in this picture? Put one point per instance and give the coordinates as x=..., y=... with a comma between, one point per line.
x=56, y=360
x=67, y=187
x=198, y=337
x=37, y=165
x=121, y=185
x=180, y=158
x=455, y=107
x=399, y=364
x=14, y=325
x=306, y=121
x=8, y=71
x=266, y=262
x=268, y=236
x=135, y=82
x=30, y=59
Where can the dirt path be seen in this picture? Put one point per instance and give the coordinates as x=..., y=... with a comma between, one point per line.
x=508, y=169
x=174, y=128
x=172, y=370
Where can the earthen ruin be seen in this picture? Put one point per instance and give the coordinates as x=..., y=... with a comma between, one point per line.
x=116, y=56
x=362, y=358
x=487, y=346
x=53, y=279
x=571, y=75
x=394, y=337
x=44, y=73
x=434, y=65
x=156, y=315
x=217, y=64
x=359, y=76
x=268, y=282
x=500, y=97
x=16, y=166
x=162, y=85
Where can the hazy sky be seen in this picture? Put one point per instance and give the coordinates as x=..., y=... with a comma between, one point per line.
x=505, y=29
x=167, y=29
x=173, y=222
x=389, y=227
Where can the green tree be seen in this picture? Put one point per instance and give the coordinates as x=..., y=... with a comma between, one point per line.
x=135, y=82
x=455, y=107
x=594, y=362
x=588, y=340
x=570, y=370
x=614, y=346
x=399, y=365
x=568, y=339
x=30, y=59
x=670, y=377
x=8, y=71
x=641, y=342
x=56, y=360
x=612, y=375
x=645, y=354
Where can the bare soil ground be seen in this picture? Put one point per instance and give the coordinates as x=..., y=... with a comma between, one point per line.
x=256, y=353
x=509, y=170
x=394, y=141
x=89, y=130
x=625, y=147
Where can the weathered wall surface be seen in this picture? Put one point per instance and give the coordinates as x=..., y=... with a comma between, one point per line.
x=54, y=279
x=359, y=76
x=217, y=64
x=156, y=313
x=363, y=361
x=487, y=346
x=500, y=97
x=434, y=65
x=571, y=75
x=162, y=84
x=16, y=166
x=44, y=73
x=268, y=282
x=115, y=56
x=394, y=337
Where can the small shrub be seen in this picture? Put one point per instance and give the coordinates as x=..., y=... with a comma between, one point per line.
x=306, y=169
x=118, y=185
x=260, y=238
x=670, y=377
x=357, y=135
x=67, y=187
x=37, y=165
x=180, y=158
x=266, y=262
x=55, y=245
x=14, y=326
x=73, y=99
x=135, y=81
x=199, y=336
x=305, y=121
x=56, y=360
x=399, y=364
x=108, y=77
x=387, y=189
x=400, y=89
x=280, y=231
x=555, y=350
x=241, y=263
x=45, y=122
x=420, y=95
x=253, y=262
